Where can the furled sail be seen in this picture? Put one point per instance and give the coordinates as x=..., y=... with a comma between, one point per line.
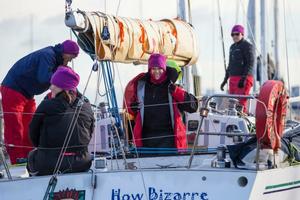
x=128, y=40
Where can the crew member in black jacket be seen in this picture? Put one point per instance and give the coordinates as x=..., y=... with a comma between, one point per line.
x=50, y=126
x=240, y=68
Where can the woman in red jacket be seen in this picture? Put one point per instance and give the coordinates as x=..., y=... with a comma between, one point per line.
x=156, y=104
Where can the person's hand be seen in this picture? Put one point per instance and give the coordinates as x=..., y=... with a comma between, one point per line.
x=135, y=106
x=223, y=84
x=172, y=87
x=241, y=83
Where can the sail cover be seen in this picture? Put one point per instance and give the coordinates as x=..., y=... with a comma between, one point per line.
x=128, y=40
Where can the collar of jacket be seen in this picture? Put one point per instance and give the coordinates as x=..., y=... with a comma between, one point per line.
x=58, y=50
x=239, y=42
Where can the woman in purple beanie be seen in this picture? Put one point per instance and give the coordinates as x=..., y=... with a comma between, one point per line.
x=28, y=77
x=156, y=105
x=240, y=68
x=50, y=124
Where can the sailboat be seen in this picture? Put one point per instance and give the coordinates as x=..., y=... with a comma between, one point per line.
x=205, y=171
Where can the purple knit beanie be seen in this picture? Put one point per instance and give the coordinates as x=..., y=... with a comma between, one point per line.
x=70, y=47
x=238, y=29
x=157, y=60
x=65, y=78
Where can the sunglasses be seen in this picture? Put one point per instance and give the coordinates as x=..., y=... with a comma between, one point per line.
x=235, y=34
x=156, y=69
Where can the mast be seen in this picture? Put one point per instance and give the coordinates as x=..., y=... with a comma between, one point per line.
x=276, y=40
x=237, y=11
x=187, y=71
x=251, y=15
x=195, y=72
x=264, y=67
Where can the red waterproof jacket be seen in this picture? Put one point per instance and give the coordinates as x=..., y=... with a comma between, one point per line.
x=135, y=88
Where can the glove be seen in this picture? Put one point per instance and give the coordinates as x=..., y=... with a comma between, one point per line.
x=223, y=84
x=135, y=106
x=224, y=81
x=171, y=88
x=241, y=83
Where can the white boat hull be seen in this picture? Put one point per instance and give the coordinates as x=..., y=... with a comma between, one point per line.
x=194, y=184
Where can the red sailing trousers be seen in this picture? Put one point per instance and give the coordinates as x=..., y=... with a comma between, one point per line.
x=234, y=89
x=18, y=112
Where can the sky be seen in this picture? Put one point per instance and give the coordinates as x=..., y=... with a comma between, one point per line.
x=28, y=25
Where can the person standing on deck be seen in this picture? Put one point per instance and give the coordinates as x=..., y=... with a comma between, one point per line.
x=156, y=104
x=28, y=77
x=240, y=67
x=50, y=125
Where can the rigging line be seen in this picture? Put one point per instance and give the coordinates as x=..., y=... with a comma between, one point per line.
x=114, y=149
x=295, y=32
x=125, y=103
x=77, y=146
x=113, y=93
x=119, y=108
x=237, y=11
x=67, y=139
x=39, y=113
x=134, y=139
x=107, y=85
x=105, y=66
x=189, y=12
x=117, y=12
x=161, y=104
x=71, y=129
x=53, y=180
x=222, y=35
x=82, y=42
x=286, y=50
x=121, y=146
x=106, y=94
x=213, y=45
x=95, y=138
x=152, y=105
x=111, y=81
x=43, y=148
x=250, y=29
x=98, y=81
x=111, y=154
x=100, y=78
x=267, y=22
x=72, y=61
x=266, y=110
x=99, y=46
x=85, y=46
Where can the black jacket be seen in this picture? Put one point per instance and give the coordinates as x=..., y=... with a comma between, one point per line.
x=157, y=119
x=48, y=129
x=241, y=59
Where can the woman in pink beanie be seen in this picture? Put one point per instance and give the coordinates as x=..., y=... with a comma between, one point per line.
x=155, y=105
x=240, y=67
x=50, y=125
x=64, y=79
